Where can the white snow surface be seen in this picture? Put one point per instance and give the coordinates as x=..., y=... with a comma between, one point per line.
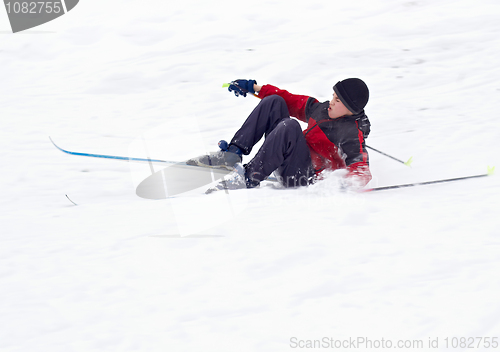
x=252, y=270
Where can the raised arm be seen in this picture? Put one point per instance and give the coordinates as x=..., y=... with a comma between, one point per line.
x=296, y=103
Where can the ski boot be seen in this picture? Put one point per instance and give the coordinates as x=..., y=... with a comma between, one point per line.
x=226, y=158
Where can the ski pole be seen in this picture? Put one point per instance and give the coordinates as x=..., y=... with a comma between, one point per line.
x=407, y=163
x=489, y=173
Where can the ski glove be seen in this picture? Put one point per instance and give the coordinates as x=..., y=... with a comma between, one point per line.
x=242, y=87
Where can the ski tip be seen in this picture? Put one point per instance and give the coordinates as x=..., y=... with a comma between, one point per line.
x=491, y=170
x=70, y=200
x=54, y=144
x=408, y=163
x=225, y=85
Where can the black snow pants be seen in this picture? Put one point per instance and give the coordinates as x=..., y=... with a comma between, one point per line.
x=284, y=149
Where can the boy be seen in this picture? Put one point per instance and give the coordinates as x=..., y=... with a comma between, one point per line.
x=334, y=138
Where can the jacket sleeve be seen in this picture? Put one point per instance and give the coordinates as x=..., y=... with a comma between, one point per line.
x=296, y=103
x=358, y=174
x=356, y=160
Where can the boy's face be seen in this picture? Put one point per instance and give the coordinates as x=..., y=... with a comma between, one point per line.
x=337, y=108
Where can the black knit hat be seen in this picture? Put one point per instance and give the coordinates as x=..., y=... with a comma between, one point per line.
x=354, y=93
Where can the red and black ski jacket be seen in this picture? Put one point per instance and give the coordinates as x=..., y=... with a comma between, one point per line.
x=333, y=143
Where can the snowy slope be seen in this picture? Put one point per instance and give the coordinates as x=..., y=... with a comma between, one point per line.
x=251, y=270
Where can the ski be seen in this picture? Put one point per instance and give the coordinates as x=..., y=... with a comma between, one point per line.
x=70, y=200
x=114, y=157
x=175, y=178
x=489, y=173
x=220, y=173
x=148, y=160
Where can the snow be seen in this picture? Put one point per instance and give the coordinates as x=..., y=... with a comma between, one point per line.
x=252, y=269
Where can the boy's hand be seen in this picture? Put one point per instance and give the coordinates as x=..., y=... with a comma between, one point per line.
x=242, y=87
